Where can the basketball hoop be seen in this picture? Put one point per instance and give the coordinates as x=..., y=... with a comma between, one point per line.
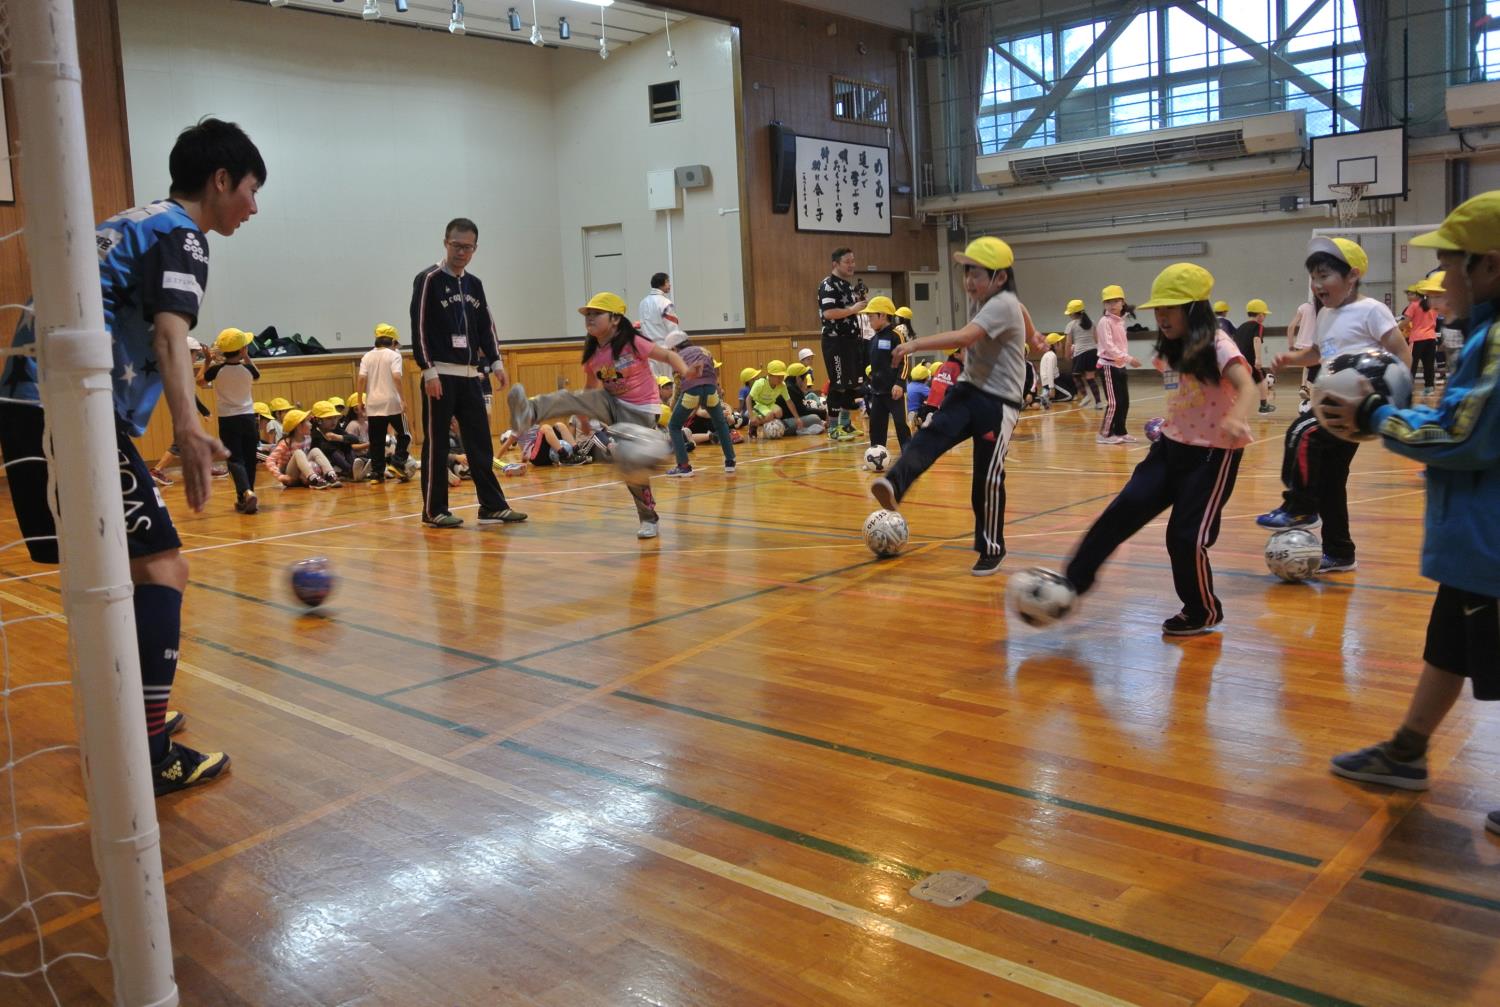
x=1349, y=196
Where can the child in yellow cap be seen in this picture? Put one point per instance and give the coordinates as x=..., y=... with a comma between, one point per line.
x=231, y=375
x=1192, y=467
x=1081, y=347
x=1250, y=338
x=1459, y=442
x=1315, y=464
x=379, y=383
x=294, y=461
x=888, y=373
x=1419, y=324
x=1114, y=358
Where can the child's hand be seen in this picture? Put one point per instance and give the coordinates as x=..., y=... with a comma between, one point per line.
x=896, y=391
x=900, y=352
x=284, y=479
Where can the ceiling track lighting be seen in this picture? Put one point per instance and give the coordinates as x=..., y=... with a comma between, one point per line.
x=456, y=21
x=564, y=30
x=514, y=17
x=402, y=6
x=536, y=29
x=603, y=40
x=371, y=11
x=671, y=57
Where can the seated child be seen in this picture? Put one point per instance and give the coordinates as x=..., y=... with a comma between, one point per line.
x=551, y=444
x=294, y=461
x=917, y=390
x=327, y=438
x=267, y=428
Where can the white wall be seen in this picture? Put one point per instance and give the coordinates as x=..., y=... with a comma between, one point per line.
x=606, y=145
x=375, y=136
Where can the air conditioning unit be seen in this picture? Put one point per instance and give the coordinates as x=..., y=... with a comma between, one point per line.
x=1474, y=105
x=1210, y=141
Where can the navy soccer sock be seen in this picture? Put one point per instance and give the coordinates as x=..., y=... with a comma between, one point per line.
x=158, y=633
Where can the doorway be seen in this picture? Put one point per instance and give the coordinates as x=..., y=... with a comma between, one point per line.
x=604, y=260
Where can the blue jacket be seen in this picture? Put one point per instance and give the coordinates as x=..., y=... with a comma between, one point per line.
x=1459, y=441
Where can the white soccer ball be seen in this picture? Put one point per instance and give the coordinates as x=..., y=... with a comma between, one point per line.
x=637, y=449
x=773, y=430
x=1041, y=596
x=1294, y=554
x=1353, y=376
x=877, y=458
x=886, y=533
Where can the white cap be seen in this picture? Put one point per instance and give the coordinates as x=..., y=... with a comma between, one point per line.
x=804, y=354
x=193, y=344
x=676, y=338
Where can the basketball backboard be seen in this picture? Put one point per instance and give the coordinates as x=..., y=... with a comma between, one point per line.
x=1374, y=158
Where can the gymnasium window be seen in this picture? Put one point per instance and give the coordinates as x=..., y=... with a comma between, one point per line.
x=1487, y=42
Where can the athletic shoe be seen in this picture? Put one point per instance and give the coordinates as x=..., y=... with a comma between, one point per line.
x=361, y=469
x=184, y=767
x=729, y=469
x=443, y=521
x=1181, y=625
x=1281, y=518
x=219, y=470
x=1376, y=765
x=1266, y=407
x=884, y=493
x=507, y=516
x=984, y=566
x=1108, y=439
x=392, y=472
x=174, y=722
x=522, y=413
x=681, y=471
x=1098, y=404
x=247, y=504
x=1492, y=822
x=844, y=434
x=453, y=479
x=580, y=458
x=1128, y=439
x=1331, y=565
x=318, y=483
x=159, y=477
x=646, y=530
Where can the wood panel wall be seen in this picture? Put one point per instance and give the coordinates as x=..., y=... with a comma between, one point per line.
x=108, y=140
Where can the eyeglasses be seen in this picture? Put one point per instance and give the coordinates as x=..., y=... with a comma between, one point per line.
x=462, y=248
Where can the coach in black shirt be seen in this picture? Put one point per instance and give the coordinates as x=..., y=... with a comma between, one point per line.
x=839, y=306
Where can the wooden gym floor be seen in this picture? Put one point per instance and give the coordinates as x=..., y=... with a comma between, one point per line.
x=549, y=764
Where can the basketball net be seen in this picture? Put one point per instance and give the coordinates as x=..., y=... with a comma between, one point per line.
x=1350, y=195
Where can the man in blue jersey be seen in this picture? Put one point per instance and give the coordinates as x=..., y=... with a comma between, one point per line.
x=153, y=268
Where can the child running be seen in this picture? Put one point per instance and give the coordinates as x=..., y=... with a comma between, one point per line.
x=983, y=405
x=1192, y=468
x=620, y=387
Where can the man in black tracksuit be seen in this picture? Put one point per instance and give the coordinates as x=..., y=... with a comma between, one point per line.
x=454, y=339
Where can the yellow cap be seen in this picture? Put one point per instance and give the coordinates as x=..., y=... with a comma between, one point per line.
x=261, y=409
x=386, y=331
x=748, y=373
x=988, y=253
x=662, y=379
x=867, y=370
x=1221, y=307
x=796, y=370
x=1074, y=306
x=323, y=409
x=904, y=312
x=1473, y=226
x=354, y=399
x=1179, y=283
x=880, y=305
x=1342, y=249
x=1257, y=307
x=1113, y=292
x=232, y=341
x=612, y=303
x=777, y=368
x=279, y=404
x=292, y=420
x=921, y=372
x=335, y=401
x=718, y=364
x=1431, y=285
x=1055, y=337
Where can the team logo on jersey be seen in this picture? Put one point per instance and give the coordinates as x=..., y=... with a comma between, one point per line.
x=107, y=240
x=192, y=246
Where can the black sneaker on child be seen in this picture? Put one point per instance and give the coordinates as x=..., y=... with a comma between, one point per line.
x=506, y=516
x=984, y=566
x=183, y=767
x=1181, y=625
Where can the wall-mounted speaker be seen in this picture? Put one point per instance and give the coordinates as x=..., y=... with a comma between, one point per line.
x=783, y=168
x=692, y=176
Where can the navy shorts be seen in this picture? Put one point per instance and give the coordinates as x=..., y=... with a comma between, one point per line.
x=1088, y=360
x=148, y=526
x=1463, y=638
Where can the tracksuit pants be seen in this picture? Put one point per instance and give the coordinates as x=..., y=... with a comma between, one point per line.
x=1116, y=400
x=378, y=427
x=241, y=435
x=1196, y=483
x=842, y=356
x=883, y=411
x=967, y=413
x=464, y=398
x=1315, y=470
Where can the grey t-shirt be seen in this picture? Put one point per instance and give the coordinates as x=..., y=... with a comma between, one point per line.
x=996, y=364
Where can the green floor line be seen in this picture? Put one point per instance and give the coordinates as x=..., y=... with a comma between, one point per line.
x=1436, y=891
x=515, y=666
x=1154, y=824
x=1041, y=914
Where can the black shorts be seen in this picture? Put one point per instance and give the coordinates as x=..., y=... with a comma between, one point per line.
x=1463, y=638
x=148, y=526
x=1088, y=360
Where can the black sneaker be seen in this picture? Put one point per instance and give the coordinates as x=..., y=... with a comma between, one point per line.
x=174, y=722
x=1181, y=625
x=984, y=566
x=506, y=516
x=1377, y=765
x=183, y=767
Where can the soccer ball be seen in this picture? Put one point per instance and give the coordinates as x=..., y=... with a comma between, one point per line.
x=312, y=580
x=1153, y=428
x=637, y=449
x=1041, y=596
x=885, y=533
x=1352, y=376
x=877, y=458
x=1294, y=554
x=773, y=430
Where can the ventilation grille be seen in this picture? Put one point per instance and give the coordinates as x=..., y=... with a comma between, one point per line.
x=1214, y=146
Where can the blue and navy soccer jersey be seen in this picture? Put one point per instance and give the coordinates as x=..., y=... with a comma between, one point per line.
x=151, y=259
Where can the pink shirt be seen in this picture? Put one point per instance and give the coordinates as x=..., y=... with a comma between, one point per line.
x=1196, y=410
x=629, y=376
x=1114, y=344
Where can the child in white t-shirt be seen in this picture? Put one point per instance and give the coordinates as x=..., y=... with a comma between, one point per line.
x=1049, y=369
x=379, y=385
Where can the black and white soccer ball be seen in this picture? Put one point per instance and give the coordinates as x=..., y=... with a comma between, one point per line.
x=773, y=430
x=638, y=450
x=877, y=458
x=1041, y=596
x=886, y=533
x=1352, y=376
x=1294, y=555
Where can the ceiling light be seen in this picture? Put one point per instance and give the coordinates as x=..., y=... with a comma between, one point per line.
x=279, y=3
x=456, y=21
x=564, y=31
x=536, y=35
x=603, y=48
x=514, y=17
x=371, y=11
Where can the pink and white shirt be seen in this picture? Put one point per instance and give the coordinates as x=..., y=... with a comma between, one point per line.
x=1114, y=344
x=627, y=377
x=1196, y=410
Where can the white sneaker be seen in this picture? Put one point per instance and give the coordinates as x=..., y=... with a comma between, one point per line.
x=1104, y=439
x=646, y=530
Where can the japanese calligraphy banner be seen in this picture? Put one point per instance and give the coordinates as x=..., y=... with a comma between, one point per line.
x=842, y=187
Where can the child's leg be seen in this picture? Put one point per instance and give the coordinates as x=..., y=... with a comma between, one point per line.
x=1204, y=481
x=991, y=423
x=721, y=428
x=320, y=463
x=880, y=412
x=897, y=409
x=680, y=412
x=1332, y=491
x=1146, y=495
x=595, y=403
x=403, y=441
x=1111, y=405
x=1120, y=380
x=645, y=502
x=553, y=435
x=249, y=443
x=949, y=426
x=229, y=433
x=378, y=425
x=1299, y=467
x=299, y=467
